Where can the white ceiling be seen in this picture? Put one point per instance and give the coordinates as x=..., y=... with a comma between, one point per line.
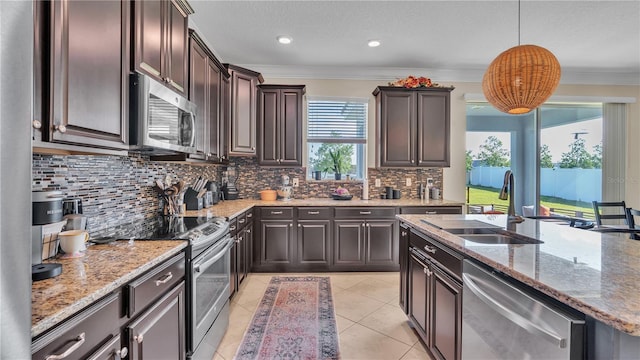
x=596, y=42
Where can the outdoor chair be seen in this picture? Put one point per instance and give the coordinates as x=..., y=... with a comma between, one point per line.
x=631, y=214
x=610, y=210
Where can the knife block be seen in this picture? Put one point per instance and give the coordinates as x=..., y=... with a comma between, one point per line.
x=191, y=200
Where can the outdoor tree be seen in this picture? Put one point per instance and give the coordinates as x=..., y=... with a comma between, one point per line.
x=596, y=157
x=469, y=160
x=577, y=156
x=322, y=160
x=492, y=153
x=545, y=157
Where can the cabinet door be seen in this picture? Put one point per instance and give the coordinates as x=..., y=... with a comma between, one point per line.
x=243, y=116
x=89, y=73
x=177, y=69
x=382, y=242
x=212, y=123
x=233, y=282
x=290, y=127
x=404, y=266
x=433, y=128
x=198, y=87
x=269, y=128
x=159, y=333
x=149, y=37
x=447, y=316
x=276, y=245
x=314, y=239
x=349, y=242
x=397, y=126
x=225, y=116
x=420, y=288
x=242, y=256
x=248, y=244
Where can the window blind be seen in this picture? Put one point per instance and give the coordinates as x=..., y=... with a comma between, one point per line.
x=336, y=121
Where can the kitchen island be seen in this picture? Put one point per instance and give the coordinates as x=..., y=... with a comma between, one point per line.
x=597, y=274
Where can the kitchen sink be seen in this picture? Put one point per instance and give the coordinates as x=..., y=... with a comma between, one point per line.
x=461, y=231
x=499, y=238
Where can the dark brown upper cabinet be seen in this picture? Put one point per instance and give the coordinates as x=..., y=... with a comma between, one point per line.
x=280, y=124
x=241, y=127
x=81, y=62
x=205, y=90
x=160, y=41
x=412, y=126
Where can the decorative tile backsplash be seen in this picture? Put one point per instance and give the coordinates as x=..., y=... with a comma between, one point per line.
x=113, y=189
x=119, y=189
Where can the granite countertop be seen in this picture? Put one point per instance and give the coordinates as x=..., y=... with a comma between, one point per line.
x=103, y=269
x=233, y=208
x=595, y=273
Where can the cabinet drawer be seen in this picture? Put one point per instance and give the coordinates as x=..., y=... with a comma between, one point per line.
x=83, y=333
x=365, y=213
x=315, y=213
x=430, y=210
x=446, y=257
x=276, y=213
x=150, y=286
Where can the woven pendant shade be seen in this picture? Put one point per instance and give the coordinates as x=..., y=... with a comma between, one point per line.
x=521, y=79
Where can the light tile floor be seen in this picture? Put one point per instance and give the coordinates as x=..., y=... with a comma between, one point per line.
x=371, y=325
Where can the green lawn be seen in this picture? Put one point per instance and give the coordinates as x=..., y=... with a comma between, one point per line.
x=486, y=195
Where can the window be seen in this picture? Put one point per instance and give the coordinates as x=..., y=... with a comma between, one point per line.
x=337, y=130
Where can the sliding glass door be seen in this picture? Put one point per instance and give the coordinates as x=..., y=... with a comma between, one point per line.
x=554, y=152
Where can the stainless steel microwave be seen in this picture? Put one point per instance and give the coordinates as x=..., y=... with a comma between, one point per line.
x=162, y=121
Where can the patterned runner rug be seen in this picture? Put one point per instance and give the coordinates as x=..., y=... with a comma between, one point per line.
x=295, y=320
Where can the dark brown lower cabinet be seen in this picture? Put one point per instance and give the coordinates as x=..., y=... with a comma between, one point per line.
x=403, y=254
x=276, y=242
x=420, y=289
x=434, y=294
x=159, y=333
x=366, y=244
x=447, y=316
x=314, y=243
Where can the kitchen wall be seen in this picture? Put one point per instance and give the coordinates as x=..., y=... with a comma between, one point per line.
x=454, y=176
x=114, y=189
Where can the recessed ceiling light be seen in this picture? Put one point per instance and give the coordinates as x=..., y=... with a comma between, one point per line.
x=373, y=43
x=284, y=40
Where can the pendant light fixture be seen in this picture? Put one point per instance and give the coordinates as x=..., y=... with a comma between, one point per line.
x=521, y=78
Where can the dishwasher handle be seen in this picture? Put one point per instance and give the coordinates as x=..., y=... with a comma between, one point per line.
x=529, y=326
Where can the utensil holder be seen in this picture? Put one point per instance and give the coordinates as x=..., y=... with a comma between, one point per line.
x=191, y=200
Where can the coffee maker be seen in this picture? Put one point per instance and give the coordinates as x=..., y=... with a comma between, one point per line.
x=229, y=178
x=47, y=222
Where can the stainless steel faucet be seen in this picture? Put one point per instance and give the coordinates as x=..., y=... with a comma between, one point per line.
x=507, y=192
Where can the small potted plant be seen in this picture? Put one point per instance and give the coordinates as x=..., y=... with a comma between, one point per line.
x=340, y=163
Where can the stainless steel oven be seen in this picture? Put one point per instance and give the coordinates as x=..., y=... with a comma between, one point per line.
x=209, y=300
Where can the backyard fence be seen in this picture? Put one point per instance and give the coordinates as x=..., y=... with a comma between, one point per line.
x=569, y=184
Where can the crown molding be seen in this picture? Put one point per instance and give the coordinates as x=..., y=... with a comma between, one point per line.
x=442, y=76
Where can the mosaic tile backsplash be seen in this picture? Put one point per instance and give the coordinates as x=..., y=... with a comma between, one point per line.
x=119, y=189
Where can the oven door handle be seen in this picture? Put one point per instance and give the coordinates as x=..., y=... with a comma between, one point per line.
x=199, y=267
x=501, y=309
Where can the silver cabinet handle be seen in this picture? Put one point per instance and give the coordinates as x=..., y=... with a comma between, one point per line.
x=79, y=341
x=276, y=213
x=249, y=215
x=138, y=338
x=249, y=231
x=362, y=224
x=365, y=212
x=368, y=225
x=37, y=124
x=242, y=221
x=427, y=271
x=232, y=228
x=412, y=161
x=290, y=225
x=430, y=249
x=122, y=353
x=299, y=225
x=313, y=212
x=510, y=315
x=61, y=128
x=404, y=233
x=430, y=212
x=165, y=279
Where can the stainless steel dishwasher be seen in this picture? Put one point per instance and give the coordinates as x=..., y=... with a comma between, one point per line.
x=503, y=321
